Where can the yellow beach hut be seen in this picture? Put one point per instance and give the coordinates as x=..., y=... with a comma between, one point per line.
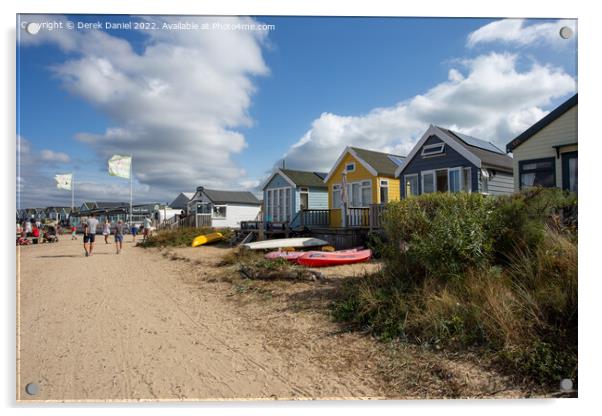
x=370, y=179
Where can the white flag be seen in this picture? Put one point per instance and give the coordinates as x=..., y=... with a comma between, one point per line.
x=120, y=166
x=63, y=181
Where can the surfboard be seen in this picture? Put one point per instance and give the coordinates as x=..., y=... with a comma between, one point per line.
x=285, y=242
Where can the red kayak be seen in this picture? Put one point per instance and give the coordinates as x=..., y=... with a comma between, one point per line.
x=325, y=259
x=293, y=256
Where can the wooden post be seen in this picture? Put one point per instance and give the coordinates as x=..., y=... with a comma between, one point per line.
x=261, y=232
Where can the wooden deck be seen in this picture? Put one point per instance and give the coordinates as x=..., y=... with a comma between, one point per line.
x=319, y=223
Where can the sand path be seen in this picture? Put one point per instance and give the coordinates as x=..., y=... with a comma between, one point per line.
x=130, y=327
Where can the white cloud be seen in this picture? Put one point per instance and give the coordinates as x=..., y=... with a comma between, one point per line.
x=515, y=31
x=175, y=104
x=249, y=184
x=54, y=157
x=492, y=100
x=36, y=186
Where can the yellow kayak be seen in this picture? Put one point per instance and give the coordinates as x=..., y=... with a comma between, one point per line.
x=199, y=240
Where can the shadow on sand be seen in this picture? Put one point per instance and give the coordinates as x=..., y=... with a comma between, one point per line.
x=69, y=255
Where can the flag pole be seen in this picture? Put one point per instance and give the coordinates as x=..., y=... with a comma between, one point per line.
x=131, y=188
x=72, y=191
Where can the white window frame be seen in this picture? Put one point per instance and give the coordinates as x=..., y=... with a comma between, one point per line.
x=349, y=164
x=405, y=178
x=433, y=149
x=422, y=175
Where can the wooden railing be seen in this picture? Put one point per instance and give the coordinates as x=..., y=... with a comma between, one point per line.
x=251, y=225
x=315, y=218
x=193, y=220
x=376, y=212
x=169, y=223
x=358, y=217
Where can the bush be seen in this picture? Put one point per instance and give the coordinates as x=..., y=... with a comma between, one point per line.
x=494, y=273
x=439, y=235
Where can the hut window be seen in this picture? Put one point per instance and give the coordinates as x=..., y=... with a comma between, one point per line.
x=428, y=182
x=455, y=179
x=411, y=184
x=219, y=211
x=433, y=149
x=442, y=183
x=336, y=196
x=384, y=191
x=484, y=181
x=466, y=180
x=303, y=198
x=350, y=167
x=538, y=172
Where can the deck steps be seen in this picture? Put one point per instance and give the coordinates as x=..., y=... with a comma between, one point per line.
x=242, y=237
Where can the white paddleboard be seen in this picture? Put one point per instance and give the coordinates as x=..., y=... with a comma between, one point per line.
x=285, y=242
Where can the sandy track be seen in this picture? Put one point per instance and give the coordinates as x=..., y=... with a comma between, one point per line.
x=137, y=326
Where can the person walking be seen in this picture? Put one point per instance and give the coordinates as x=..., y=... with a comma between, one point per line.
x=119, y=236
x=147, y=227
x=73, y=232
x=134, y=231
x=89, y=234
x=106, y=230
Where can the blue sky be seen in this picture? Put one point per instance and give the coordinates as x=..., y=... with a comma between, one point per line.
x=221, y=108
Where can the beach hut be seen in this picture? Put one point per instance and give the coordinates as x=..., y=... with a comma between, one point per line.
x=546, y=153
x=87, y=206
x=370, y=180
x=57, y=213
x=221, y=209
x=286, y=192
x=447, y=161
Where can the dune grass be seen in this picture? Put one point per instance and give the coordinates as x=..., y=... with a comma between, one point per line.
x=181, y=237
x=494, y=274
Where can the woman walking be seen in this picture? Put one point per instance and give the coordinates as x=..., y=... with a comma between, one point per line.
x=119, y=236
x=106, y=230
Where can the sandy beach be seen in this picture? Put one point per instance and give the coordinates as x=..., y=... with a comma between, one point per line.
x=139, y=326
x=172, y=324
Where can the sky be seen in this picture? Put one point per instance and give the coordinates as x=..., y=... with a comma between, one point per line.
x=220, y=101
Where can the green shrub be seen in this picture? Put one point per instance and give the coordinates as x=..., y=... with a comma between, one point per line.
x=495, y=273
x=438, y=235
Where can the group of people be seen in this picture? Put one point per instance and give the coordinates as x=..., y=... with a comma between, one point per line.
x=91, y=224
x=33, y=231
